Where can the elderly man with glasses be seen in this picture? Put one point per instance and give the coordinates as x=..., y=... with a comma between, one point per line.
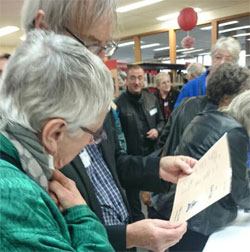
x=98, y=166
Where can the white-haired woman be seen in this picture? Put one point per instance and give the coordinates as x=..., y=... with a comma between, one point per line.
x=54, y=97
x=166, y=95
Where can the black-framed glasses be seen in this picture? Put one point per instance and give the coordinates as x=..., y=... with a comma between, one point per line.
x=110, y=48
x=98, y=136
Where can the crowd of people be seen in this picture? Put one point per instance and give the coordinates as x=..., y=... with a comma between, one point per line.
x=73, y=162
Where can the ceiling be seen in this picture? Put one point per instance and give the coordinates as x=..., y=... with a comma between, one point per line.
x=133, y=22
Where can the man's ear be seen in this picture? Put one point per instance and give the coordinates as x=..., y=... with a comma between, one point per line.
x=40, y=22
x=53, y=134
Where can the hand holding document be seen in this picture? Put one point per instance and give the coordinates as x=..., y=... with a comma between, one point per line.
x=209, y=182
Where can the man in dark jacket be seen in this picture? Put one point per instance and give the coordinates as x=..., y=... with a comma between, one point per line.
x=142, y=121
x=110, y=203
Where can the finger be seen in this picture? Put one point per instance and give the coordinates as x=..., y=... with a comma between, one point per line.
x=62, y=179
x=54, y=198
x=58, y=189
x=168, y=224
x=189, y=160
x=183, y=166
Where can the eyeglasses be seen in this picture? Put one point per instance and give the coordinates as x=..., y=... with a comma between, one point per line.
x=98, y=136
x=110, y=48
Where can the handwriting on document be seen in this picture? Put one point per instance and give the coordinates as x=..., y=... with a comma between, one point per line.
x=209, y=182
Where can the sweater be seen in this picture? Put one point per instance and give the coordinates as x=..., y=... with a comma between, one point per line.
x=31, y=221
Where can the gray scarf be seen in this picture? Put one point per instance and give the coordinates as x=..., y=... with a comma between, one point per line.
x=37, y=164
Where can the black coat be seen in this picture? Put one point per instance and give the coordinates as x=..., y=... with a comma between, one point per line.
x=203, y=131
x=178, y=121
x=137, y=172
x=131, y=112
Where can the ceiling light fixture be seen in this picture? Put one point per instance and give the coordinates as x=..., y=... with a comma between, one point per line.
x=126, y=44
x=241, y=35
x=23, y=38
x=137, y=5
x=173, y=15
x=7, y=30
x=220, y=25
x=150, y=45
x=228, y=23
x=235, y=28
x=161, y=49
x=197, y=50
x=182, y=50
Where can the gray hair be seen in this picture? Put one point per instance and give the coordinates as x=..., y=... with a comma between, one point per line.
x=227, y=44
x=77, y=13
x=54, y=76
x=239, y=108
x=195, y=69
x=160, y=76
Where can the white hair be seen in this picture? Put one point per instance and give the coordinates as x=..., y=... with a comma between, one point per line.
x=52, y=76
x=160, y=76
x=239, y=108
x=195, y=69
x=227, y=44
x=64, y=13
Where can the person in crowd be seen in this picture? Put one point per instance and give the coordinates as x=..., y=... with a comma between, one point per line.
x=100, y=172
x=225, y=50
x=100, y=18
x=3, y=59
x=141, y=121
x=200, y=134
x=166, y=94
x=89, y=22
x=195, y=70
x=46, y=92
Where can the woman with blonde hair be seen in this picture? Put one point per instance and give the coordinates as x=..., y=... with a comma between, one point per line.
x=166, y=94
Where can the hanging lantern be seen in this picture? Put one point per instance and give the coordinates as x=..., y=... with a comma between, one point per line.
x=187, y=19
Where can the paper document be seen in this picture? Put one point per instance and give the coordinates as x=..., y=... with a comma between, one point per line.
x=209, y=182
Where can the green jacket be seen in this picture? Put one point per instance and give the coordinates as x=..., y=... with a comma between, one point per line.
x=30, y=220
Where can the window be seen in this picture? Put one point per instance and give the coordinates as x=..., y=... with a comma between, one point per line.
x=155, y=48
x=125, y=51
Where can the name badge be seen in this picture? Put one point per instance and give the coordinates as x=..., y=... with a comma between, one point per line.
x=153, y=111
x=85, y=158
x=165, y=104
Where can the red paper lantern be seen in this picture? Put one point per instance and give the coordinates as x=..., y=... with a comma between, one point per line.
x=187, y=19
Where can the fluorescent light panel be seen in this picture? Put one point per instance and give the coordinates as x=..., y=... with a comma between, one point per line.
x=197, y=50
x=23, y=37
x=202, y=54
x=161, y=49
x=220, y=25
x=7, y=30
x=228, y=23
x=186, y=49
x=137, y=5
x=241, y=35
x=126, y=44
x=173, y=15
x=235, y=28
x=150, y=45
